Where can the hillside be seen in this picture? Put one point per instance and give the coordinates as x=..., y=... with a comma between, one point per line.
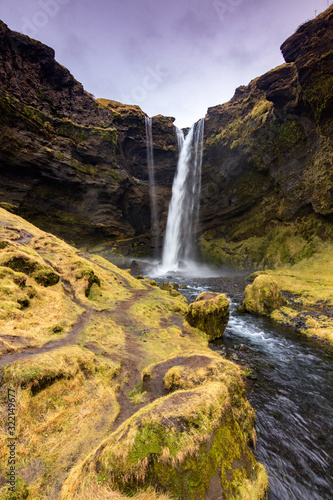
x=114, y=391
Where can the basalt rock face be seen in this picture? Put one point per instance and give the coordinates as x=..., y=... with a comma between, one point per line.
x=268, y=155
x=71, y=163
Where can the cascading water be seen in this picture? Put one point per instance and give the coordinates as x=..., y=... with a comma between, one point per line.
x=184, y=205
x=151, y=173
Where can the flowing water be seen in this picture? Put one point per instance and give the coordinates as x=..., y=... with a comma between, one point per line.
x=290, y=377
x=291, y=390
x=151, y=173
x=184, y=204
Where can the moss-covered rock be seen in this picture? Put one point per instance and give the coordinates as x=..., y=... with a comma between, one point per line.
x=263, y=296
x=184, y=442
x=209, y=313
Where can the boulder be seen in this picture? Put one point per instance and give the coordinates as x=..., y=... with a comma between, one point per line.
x=263, y=296
x=210, y=313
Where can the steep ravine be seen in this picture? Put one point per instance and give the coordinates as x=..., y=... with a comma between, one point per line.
x=76, y=165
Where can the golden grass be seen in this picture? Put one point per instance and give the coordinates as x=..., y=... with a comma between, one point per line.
x=66, y=418
x=33, y=312
x=256, y=488
x=65, y=362
x=105, y=332
x=209, y=402
x=187, y=377
x=84, y=484
x=67, y=397
x=311, y=282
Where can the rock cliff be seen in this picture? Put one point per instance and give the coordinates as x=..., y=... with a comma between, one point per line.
x=77, y=166
x=267, y=169
x=71, y=163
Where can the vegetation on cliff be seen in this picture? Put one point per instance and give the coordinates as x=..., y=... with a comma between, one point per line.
x=267, y=170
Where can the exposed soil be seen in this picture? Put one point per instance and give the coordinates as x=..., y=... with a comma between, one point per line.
x=154, y=385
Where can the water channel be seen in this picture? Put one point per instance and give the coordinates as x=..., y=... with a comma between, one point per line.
x=291, y=389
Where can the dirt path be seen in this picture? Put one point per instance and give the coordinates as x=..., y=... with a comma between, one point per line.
x=70, y=338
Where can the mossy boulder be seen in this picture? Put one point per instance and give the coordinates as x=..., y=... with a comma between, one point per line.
x=186, y=443
x=210, y=313
x=263, y=296
x=172, y=288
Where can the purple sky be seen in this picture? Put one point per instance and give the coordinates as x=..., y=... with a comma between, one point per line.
x=174, y=57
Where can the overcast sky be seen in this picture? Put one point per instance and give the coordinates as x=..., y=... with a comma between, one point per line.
x=171, y=57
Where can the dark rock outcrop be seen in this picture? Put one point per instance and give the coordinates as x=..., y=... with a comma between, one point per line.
x=268, y=155
x=70, y=163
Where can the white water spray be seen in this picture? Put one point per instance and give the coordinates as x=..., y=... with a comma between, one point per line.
x=184, y=205
x=151, y=173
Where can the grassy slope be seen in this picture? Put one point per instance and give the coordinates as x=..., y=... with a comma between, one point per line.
x=78, y=338
x=307, y=288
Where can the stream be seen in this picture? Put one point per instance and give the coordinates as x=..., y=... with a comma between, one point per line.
x=291, y=389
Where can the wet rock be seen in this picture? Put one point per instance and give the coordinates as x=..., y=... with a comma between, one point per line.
x=135, y=268
x=209, y=313
x=264, y=147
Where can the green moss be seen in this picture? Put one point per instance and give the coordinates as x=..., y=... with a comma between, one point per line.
x=136, y=394
x=14, y=113
x=9, y=207
x=318, y=92
x=190, y=480
x=46, y=277
x=26, y=264
x=21, y=491
x=263, y=296
x=109, y=135
x=114, y=174
x=180, y=450
x=250, y=243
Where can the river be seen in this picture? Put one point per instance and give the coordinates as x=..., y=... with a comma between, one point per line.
x=291, y=389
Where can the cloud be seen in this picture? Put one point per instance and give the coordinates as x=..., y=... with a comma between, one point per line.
x=115, y=48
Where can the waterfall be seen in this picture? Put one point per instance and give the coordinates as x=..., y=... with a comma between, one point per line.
x=151, y=173
x=183, y=211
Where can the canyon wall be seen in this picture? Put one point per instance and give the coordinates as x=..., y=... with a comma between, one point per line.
x=268, y=161
x=77, y=166
x=71, y=163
